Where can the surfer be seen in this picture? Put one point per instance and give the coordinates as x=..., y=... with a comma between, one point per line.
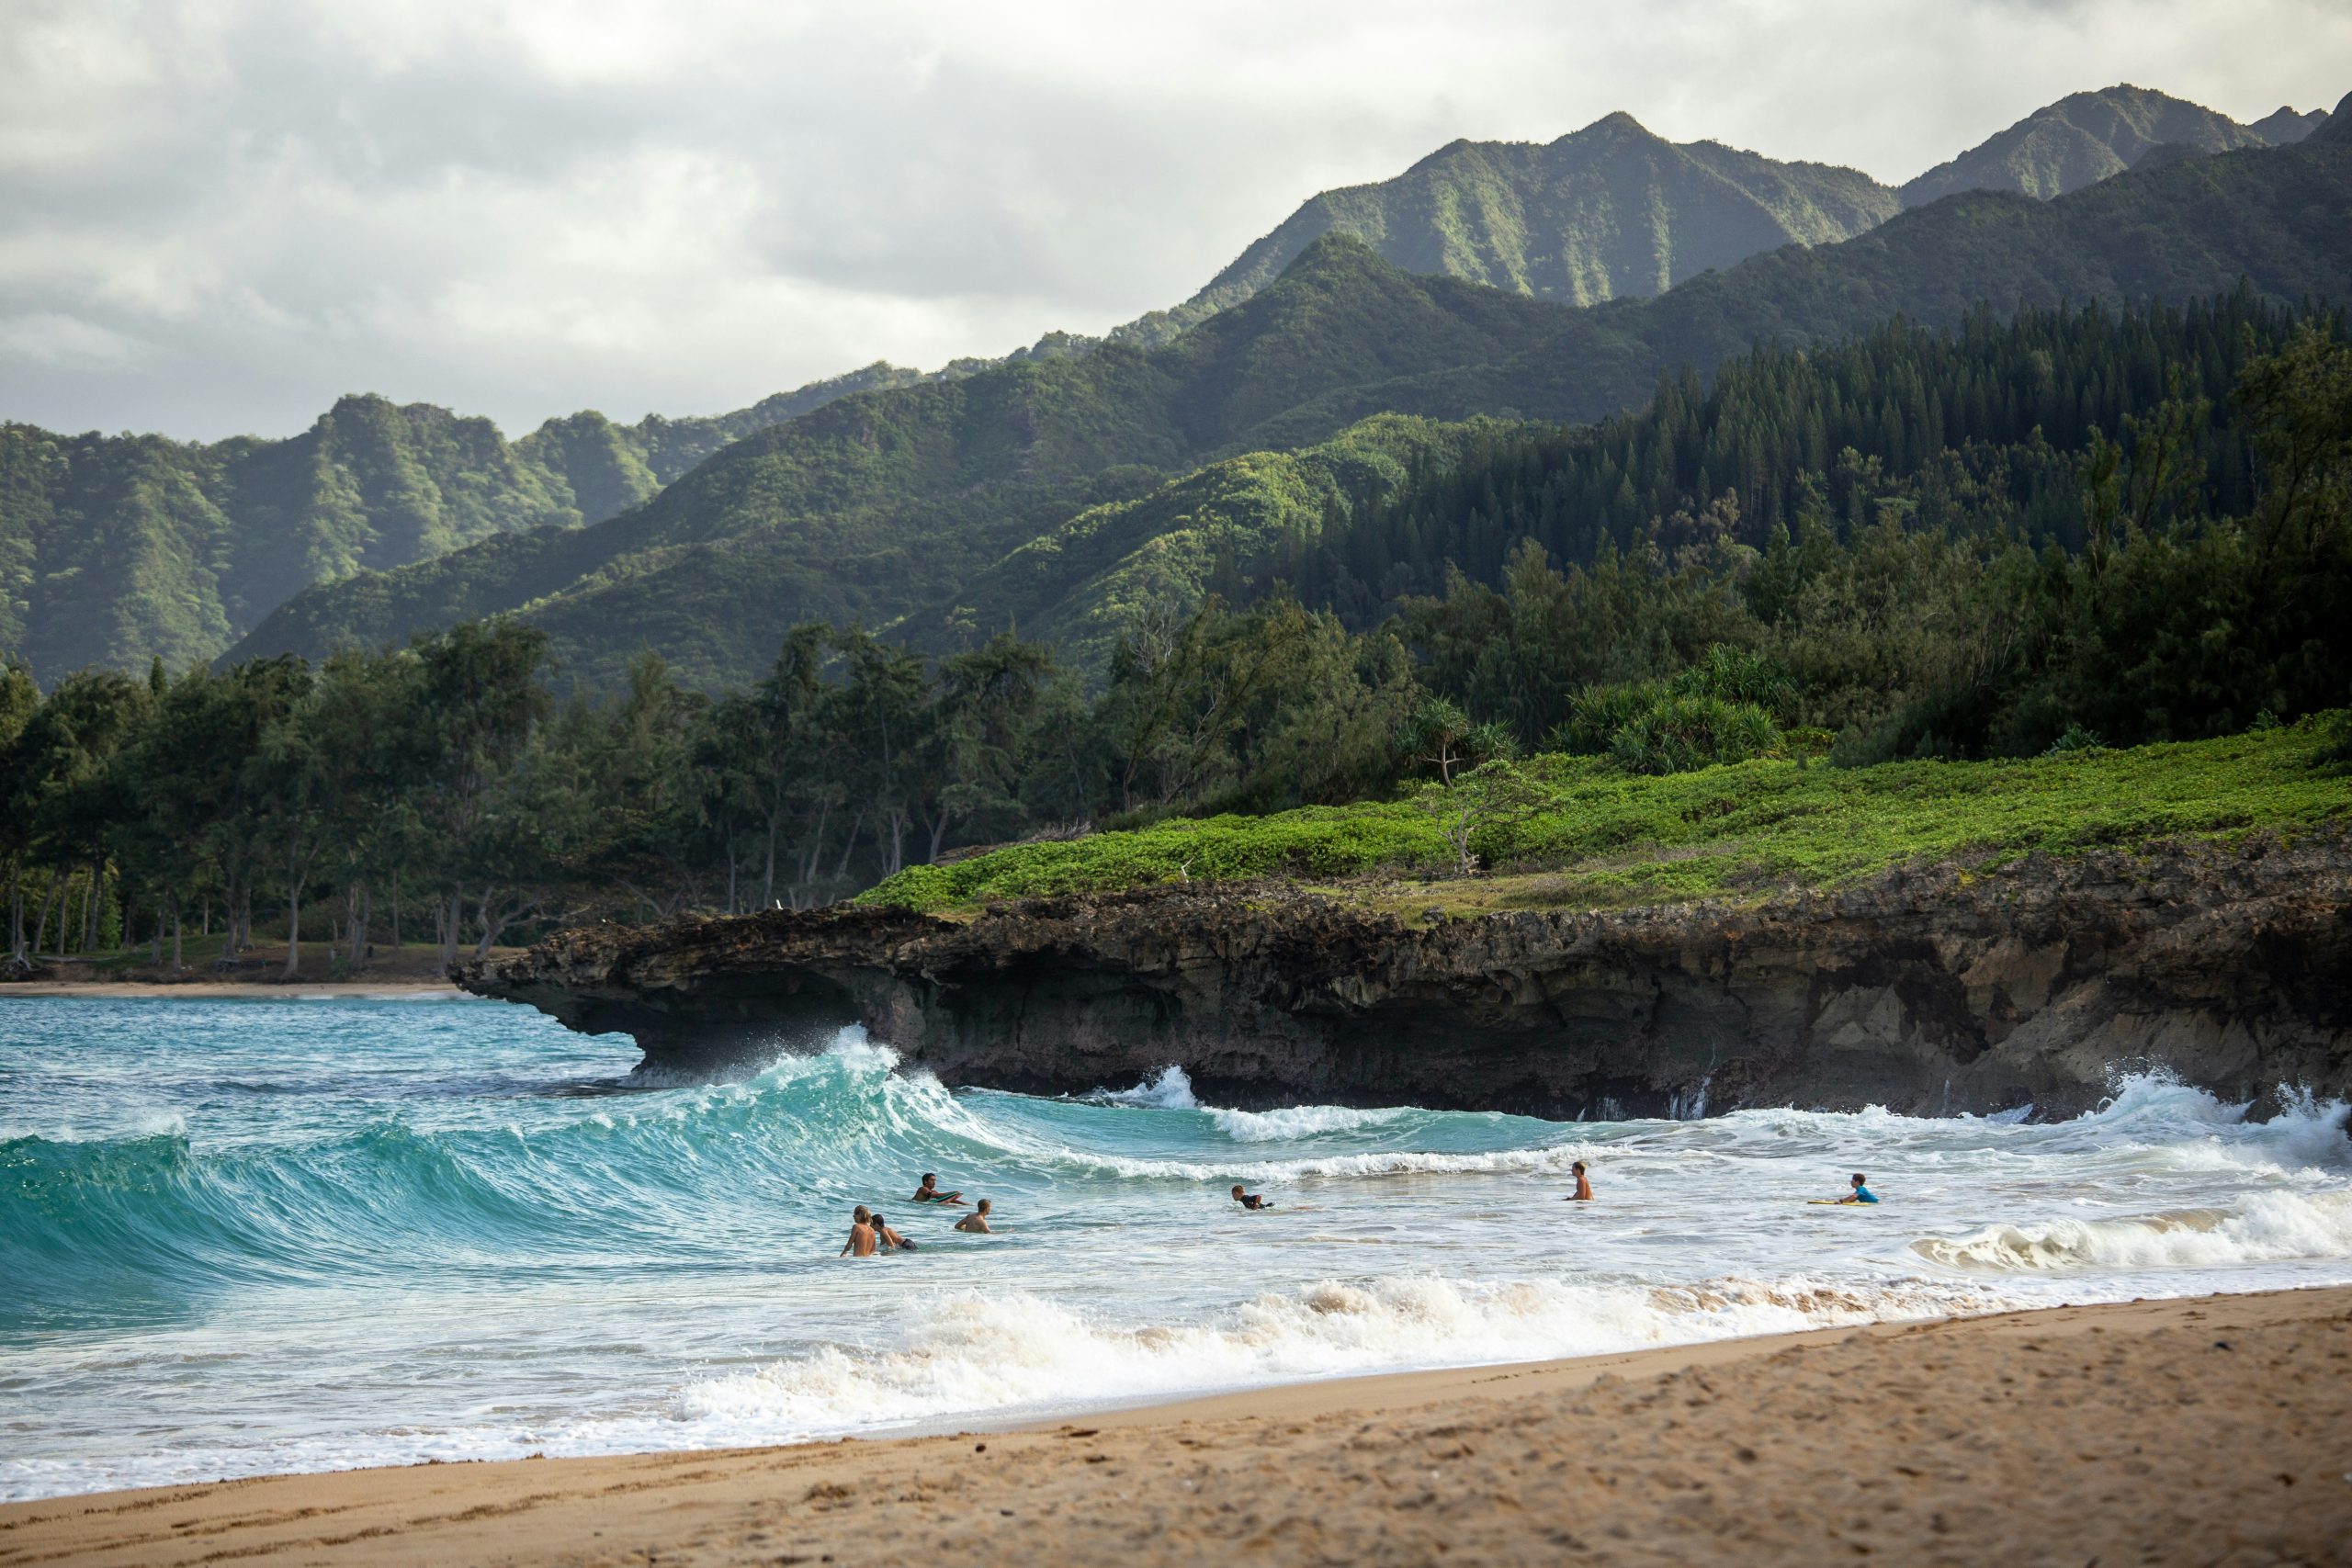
x=1249, y=1200
x=1583, y=1185
x=891, y=1240
x=977, y=1222
x=1862, y=1193
x=928, y=1192
x=861, y=1241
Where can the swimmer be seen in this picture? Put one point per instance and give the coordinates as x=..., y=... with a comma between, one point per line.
x=1249, y=1200
x=928, y=1192
x=977, y=1222
x=862, y=1241
x=891, y=1240
x=1583, y=1185
x=1862, y=1193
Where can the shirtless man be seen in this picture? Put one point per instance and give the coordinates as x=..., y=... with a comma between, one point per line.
x=928, y=1192
x=1249, y=1200
x=862, y=1241
x=891, y=1240
x=977, y=1222
x=1584, y=1186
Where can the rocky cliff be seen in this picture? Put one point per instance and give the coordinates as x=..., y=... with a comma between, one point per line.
x=1934, y=991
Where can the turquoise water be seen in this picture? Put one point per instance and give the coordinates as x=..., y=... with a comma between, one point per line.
x=239, y=1237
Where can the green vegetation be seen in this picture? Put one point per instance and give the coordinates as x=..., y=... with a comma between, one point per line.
x=1913, y=618
x=1600, y=836
x=116, y=549
x=890, y=507
x=1605, y=212
x=888, y=503
x=2085, y=138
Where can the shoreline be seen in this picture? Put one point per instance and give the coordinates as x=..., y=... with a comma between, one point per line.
x=220, y=990
x=2163, y=1431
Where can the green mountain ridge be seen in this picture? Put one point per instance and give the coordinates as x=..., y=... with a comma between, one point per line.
x=880, y=504
x=921, y=503
x=114, y=550
x=2286, y=125
x=1604, y=212
x=2080, y=139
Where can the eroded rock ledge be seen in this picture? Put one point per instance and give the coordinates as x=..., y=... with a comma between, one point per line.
x=1930, y=992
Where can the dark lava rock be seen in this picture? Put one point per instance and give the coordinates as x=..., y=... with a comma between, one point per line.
x=1926, y=990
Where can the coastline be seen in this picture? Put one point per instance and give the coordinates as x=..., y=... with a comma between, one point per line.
x=232, y=990
x=2190, y=1429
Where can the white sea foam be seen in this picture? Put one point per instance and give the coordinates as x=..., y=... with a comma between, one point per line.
x=1171, y=1089
x=2270, y=1228
x=1303, y=1121
x=972, y=1352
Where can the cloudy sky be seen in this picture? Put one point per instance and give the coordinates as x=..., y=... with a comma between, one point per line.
x=216, y=215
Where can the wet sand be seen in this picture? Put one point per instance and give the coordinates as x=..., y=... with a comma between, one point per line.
x=2214, y=1430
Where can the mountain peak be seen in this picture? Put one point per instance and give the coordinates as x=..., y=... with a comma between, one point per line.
x=2079, y=140
x=1616, y=123
x=2337, y=129
x=2286, y=125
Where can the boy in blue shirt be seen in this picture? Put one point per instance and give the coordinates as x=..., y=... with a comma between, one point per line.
x=1862, y=1193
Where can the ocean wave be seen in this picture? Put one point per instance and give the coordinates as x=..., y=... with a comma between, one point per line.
x=1305, y=1122
x=971, y=1352
x=2269, y=1228
x=1169, y=1089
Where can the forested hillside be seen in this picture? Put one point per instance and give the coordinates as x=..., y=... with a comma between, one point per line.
x=1923, y=593
x=884, y=502
x=116, y=549
x=902, y=503
x=2087, y=137
x=1607, y=211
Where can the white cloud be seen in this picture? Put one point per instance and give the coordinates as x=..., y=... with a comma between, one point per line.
x=50, y=337
x=521, y=209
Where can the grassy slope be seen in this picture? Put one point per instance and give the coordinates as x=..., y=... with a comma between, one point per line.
x=1606, y=837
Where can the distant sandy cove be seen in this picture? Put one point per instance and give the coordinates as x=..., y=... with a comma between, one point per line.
x=2210, y=1430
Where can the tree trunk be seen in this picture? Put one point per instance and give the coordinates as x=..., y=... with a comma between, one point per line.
x=489, y=931
x=293, y=927
x=396, y=913
x=40, y=931
x=730, y=873
x=175, y=932
x=155, y=946
x=90, y=909
x=457, y=908
x=848, y=847
x=17, y=912
x=767, y=879
x=359, y=923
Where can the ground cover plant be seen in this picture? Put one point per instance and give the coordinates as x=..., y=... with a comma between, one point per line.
x=1604, y=835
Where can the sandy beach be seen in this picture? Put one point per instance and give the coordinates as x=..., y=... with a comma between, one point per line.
x=2207, y=1430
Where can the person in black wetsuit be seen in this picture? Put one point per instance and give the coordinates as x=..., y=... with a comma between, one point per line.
x=1249, y=1200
